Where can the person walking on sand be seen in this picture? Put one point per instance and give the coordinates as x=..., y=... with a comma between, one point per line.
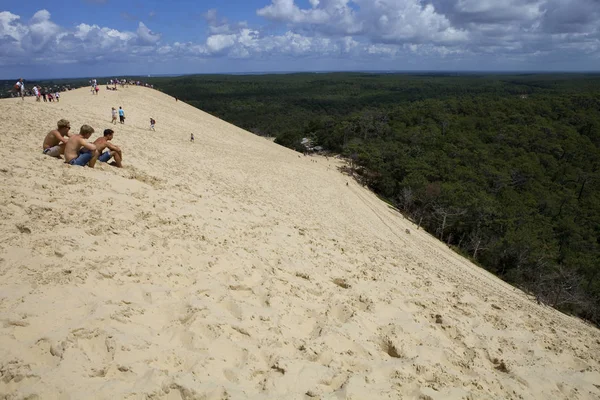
x=75, y=155
x=121, y=115
x=56, y=139
x=114, y=116
x=192, y=138
x=113, y=151
x=152, y=122
x=20, y=88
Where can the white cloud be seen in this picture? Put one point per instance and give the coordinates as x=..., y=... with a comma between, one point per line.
x=218, y=43
x=146, y=36
x=40, y=40
x=11, y=34
x=361, y=30
x=387, y=21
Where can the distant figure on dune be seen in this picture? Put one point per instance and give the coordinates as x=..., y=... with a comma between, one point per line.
x=113, y=151
x=121, y=115
x=152, y=122
x=55, y=140
x=36, y=93
x=75, y=155
x=114, y=116
x=192, y=138
x=175, y=99
x=20, y=88
x=57, y=96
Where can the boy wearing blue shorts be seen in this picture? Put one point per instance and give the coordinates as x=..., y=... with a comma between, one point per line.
x=78, y=151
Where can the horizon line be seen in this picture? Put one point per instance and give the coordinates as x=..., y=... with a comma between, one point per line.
x=381, y=71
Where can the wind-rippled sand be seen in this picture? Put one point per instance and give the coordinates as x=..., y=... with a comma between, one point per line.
x=232, y=268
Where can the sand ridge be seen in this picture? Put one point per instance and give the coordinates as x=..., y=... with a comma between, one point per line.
x=232, y=268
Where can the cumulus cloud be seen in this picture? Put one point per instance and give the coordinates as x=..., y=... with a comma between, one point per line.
x=41, y=40
x=359, y=30
x=384, y=21
x=146, y=36
x=447, y=27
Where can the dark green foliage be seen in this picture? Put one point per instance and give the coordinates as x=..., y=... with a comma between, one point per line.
x=505, y=169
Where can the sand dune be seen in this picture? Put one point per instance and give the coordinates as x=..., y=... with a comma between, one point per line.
x=232, y=268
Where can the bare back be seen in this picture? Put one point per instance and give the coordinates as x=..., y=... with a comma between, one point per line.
x=51, y=139
x=101, y=143
x=75, y=143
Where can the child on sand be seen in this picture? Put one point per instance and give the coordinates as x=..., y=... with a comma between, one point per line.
x=114, y=116
x=152, y=122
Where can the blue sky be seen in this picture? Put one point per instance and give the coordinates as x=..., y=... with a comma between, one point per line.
x=110, y=38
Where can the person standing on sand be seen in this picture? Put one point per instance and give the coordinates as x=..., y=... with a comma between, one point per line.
x=114, y=116
x=152, y=122
x=192, y=138
x=20, y=88
x=113, y=151
x=75, y=155
x=121, y=115
x=55, y=140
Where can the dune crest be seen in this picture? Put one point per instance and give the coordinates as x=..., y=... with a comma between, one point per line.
x=232, y=268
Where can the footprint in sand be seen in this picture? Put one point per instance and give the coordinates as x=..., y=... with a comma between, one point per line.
x=340, y=312
x=96, y=345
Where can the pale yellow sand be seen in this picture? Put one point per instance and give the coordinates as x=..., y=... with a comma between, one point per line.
x=232, y=268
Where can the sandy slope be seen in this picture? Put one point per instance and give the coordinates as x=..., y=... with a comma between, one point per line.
x=232, y=268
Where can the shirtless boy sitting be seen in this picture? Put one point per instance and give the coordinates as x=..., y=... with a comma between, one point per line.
x=55, y=140
x=75, y=155
x=113, y=151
